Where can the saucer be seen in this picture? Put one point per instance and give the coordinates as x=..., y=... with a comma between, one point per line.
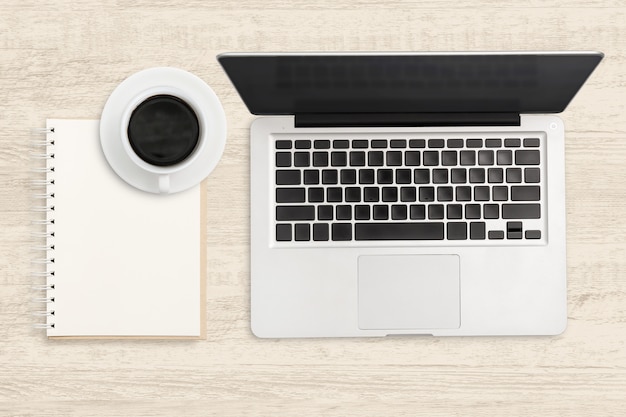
x=140, y=87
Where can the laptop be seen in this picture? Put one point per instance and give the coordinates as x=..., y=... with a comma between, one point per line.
x=407, y=193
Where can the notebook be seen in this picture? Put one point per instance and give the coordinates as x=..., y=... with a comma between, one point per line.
x=119, y=262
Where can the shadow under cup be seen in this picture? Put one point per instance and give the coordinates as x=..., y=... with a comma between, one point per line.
x=163, y=130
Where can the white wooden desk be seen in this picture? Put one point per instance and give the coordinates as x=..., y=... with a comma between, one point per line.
x=63, y=58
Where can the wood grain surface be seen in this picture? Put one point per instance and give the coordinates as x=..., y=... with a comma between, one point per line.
x=63, y=58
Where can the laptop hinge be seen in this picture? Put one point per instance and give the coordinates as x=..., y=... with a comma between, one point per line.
x=405, y=119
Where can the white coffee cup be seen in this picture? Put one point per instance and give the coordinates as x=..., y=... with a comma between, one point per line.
x=164, y=100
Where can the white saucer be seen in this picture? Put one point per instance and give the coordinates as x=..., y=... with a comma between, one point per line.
x=114, y=125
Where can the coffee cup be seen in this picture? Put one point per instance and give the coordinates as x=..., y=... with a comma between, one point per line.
x=163, y=130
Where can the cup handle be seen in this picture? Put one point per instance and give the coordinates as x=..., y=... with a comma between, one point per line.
x=164, y=184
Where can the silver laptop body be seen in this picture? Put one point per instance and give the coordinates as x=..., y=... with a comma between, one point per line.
x=408, y=193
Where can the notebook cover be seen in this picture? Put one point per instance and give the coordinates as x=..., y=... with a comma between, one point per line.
x=127, y=263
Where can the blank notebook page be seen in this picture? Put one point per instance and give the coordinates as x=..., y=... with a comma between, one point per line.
x=127, y=262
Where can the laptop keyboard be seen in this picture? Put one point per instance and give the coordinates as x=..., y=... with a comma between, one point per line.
x=456, y=189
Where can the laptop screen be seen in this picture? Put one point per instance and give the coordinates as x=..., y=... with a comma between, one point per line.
x=273, y=84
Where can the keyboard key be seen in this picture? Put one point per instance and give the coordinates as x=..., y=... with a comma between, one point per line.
x=431, y=158
x=390, y=194
x=418, y=212
x=380, y=143
x=320, y=232
x=403, y=176
x=477, y=230
x=455, y=143
x=436, y=143
x=457, y=231
x=329, y=176
x=493, y=143
x=427, y=194
x=474, y=143
x=303, y=144
x=342, y=231
x=303, y=232
x=311, y=176
x=491, y=211
x=417, y=143
x=525, y=193
x=398, y=212
x=283, y=144
x=366, y=176
x=290, y=195
x=370, y=194
x=375, y=158
x=514, y=175
x=500, y=193
x=485, y=157
x=341, y=144
x=384, y=176
x=325, y=212
x=468, y=158
x=472, y=211
x=321, y=144
x=353, y=194
x=283, y=159
x=290, y=213
x=524, y=157
x=343, y=213
x=361, y=212
x=448, y=158
x=463, y=193
x=283, y=232
x=412, y=158
x=440, y=176
x=514, y=230
x=408, y=194
x=398, y=143
x=531, y=175
x=338, y=159
x=496, y=234
x=320, y=159
x=421, y=176
x=477, y=175
x=334, y=194
x=454, y=211
x=381, y=212
x=512, y=143
x=357, y=159
x=348, y=176
x=445, y=193
x=316, y=195
x=301, y=159
x=398, y=231
x=521, y=211
x=288, y=177
x=458, y=176
x=481, y=193
x=531, y=143
x=504, y=157
x=360, y=144
x=533, y=234
x=495, y=175
x=394, y=158
x=435, y=211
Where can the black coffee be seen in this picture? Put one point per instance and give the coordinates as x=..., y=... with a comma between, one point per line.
x=163, y=130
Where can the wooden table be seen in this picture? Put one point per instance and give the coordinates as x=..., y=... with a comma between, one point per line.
x=63, y=58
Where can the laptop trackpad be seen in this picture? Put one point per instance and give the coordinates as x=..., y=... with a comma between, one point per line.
x=409, y=292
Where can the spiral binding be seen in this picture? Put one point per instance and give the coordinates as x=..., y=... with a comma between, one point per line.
x=43, y=273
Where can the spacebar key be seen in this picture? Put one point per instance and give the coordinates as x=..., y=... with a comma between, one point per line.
x=398, y=231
